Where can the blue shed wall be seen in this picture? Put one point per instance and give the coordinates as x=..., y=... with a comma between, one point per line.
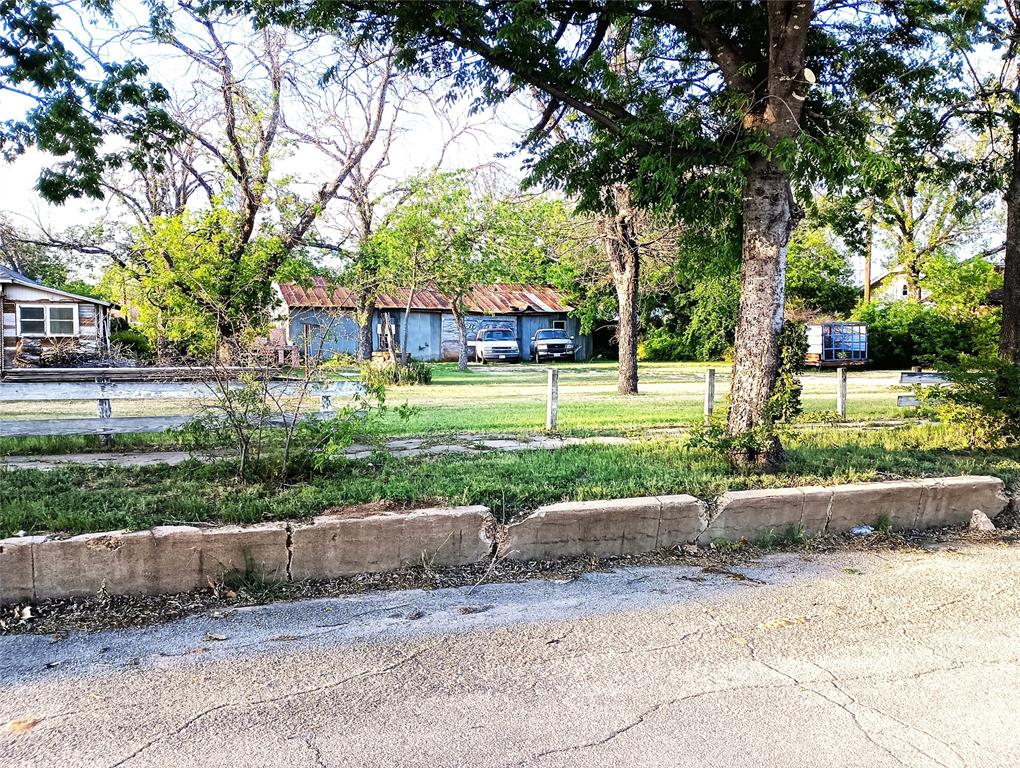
x=338, y=334
x=330, y=333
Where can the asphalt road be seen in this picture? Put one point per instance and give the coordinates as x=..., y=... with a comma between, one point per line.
x=852, y=659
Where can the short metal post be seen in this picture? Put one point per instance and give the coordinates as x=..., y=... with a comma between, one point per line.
x=552, y=400
x=841, y=392
x=105, y=411
x=709, y=394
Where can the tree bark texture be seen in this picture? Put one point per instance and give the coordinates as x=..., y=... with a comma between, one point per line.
x=365, y=318
x=1009, y=335
x=768, y=220
x=458, y=317
x=404, y=356
x=621, y=246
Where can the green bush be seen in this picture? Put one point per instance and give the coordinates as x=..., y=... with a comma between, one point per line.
x=904, y=333
x=134, y=341
x=983, y=398
x=339, y=362
x=784, y=404
x=390, y=374
x=660, y=345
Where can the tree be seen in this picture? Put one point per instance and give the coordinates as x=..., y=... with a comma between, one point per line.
x=75, y=100
x=248, y=104
x=34, y=260
x=412, y=241
x=819, y=278
x=960, y=286
x=935, y=214
x=715, y=105
x=993, y=107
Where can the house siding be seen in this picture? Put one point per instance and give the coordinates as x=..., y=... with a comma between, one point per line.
x=432, y=336
x=91, y=334
x=329, y=333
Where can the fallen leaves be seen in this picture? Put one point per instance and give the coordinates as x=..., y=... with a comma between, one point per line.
x=790, y=621
x=22, y=725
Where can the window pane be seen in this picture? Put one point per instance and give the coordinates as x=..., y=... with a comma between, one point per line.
x=61, y=321
x=32, y=313
x=32, y=327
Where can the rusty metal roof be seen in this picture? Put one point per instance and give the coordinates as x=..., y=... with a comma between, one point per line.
x=483, y=299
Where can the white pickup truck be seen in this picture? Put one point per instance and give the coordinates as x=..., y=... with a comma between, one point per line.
x=497, y=345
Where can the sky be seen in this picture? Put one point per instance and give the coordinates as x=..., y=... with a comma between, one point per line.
x=491, y=134
x=426, y=133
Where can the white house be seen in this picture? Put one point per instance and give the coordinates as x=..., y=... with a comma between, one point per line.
x=37, y=318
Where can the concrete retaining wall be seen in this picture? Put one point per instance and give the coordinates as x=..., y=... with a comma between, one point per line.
x=163, y=559
x=182, y=558
x=906, y=504
x=604, y=528
x=338, y=546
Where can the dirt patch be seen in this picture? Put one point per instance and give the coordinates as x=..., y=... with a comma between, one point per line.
x=385, y=507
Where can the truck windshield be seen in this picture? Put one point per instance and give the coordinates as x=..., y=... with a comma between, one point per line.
x=499, y=334
x=551, y=333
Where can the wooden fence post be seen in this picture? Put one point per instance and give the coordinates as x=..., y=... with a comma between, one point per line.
x=552, y=400
x=104, y=410
x=841, y=392
x=709, y=394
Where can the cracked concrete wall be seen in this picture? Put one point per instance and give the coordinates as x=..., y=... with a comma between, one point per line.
x=604, y=528
x=182, y=558
x=906, y=504
x=338, y=546
x=161, y=560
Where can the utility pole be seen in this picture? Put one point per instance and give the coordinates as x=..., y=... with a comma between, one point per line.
x=867, y=250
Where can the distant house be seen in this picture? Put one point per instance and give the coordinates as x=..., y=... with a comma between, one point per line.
x=318, y=320
x=37, y=318
x=892, y=286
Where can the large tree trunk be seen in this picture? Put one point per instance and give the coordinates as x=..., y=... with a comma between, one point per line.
x=913, y=290
x=458, y=317
x=1009, y=335
x=768, y=220
x=365, y=317
x=621, y=246
x=403, y=355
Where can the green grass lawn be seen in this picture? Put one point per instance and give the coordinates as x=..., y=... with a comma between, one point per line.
x=511, y=399
x=79, y=499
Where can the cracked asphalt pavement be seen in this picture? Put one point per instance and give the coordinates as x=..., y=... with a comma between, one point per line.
x=877, y=658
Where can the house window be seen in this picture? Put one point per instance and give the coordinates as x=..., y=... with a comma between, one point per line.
x=904, y=291
x=559, y=325
x=61, y=321
x=48, y=320
x=32, y=321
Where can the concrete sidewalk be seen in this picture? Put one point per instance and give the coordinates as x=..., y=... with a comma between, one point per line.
x=872, y=659
x=398, y=447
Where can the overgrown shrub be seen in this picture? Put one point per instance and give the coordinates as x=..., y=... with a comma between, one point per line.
x=762, y=445
x=660, y=345
x=390, y=374
x=785, y=404
x=339, y=362
x=904, y=333
x=133, y=341
x=983, y=398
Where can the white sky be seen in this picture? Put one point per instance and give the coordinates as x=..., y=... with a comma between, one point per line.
x=417, y=149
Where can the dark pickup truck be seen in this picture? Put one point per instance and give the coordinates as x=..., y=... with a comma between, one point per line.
x=551, y=344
